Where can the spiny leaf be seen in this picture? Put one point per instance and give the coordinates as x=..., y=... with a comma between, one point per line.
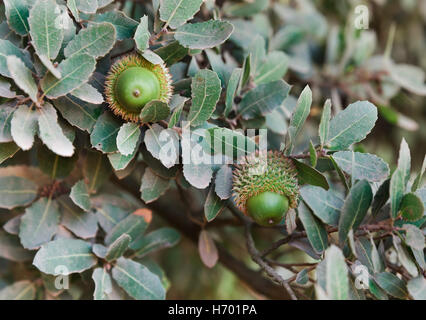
x=75, y=71
x=24, y=125
x=22, y=77
x=351, y=125
x=103, y=284
x=175, y=13
x=39, y=223
x=263, y=99
x=362, y=165
x=205, y=90
x=16, y=191
x=317, y=235
x=142, y=34
x=354, y=209
x=75, y=255
x=137, y=280
x=51, y=133
x=80, y=195
x=400, y=178
x=154, y=111
x=203, y=35
x=46, y=33
x=17, y=12
x=127, y=138
x=96, y=40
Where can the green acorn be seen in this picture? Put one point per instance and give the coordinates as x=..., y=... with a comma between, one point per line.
x=265, y=186
x=132, y=82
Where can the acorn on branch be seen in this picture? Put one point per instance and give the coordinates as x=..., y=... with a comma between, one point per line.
x=132, y=82
x=265, y=186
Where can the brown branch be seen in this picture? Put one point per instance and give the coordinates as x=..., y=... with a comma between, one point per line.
x=255, y=255
x=172, y=211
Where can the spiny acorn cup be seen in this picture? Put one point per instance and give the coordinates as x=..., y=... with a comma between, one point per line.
x=132, y=82
x=265, y=186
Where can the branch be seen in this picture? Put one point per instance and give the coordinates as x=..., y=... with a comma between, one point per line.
x=172, y=211
x=255, y=255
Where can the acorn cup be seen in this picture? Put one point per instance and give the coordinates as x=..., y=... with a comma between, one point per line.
x=265, y=186
x=132, y=82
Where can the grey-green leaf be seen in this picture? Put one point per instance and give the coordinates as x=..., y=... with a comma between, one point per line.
x=75, y=71
x=325, y=122
x=273, y=67
x=142, y=34
x=198, y=175
x=73, y=254
x=337, y=283
x=46, y=32
x=163, y=144
x=176, y=13
x=127, y=138
x=24, y=126
x=223, y=182
x=178, y=102
x=96, y=40
x=79, y=113
x=300, y=113
x=362, y=166
x=87, y=6
x=82, y=224
x=203, y=35
x=7, y=48
x=153, y=186
x=103, y=284
x=156, y=240
x=354, y=209
x=414, y=237
x=51, y=133
x=39, y=223
x=80, y=195
x=16, y=191
x=17, y=12
x=263, y=99
x=417, y=288
x=154, y=111
x=368, y=254
x=391, y=284
x=315, y=230
x=133, y=225
x=124, y=26
x=118, y=247
x=351, y=125
x=104, y=134
x=205, y=88
x=400, y=178
x=213, y=205
x=88, y=93
x=22, y=77
x=325, y=204
x=137, y=280
x=309, y=175
x=231, y=89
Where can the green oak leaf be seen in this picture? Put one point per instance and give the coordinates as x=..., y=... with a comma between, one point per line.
x=73, y=254
x=46, y=33
x=203, y=35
